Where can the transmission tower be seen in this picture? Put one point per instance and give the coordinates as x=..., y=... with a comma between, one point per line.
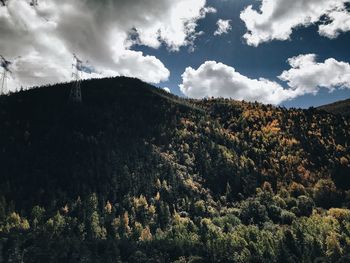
x=34, y=3
x=5, y=64
x=75, y=92
x=3, y=2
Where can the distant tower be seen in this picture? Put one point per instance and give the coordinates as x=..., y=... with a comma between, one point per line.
x=3, y=2
x=34, y=3
x=75, y=92
x=5, y=64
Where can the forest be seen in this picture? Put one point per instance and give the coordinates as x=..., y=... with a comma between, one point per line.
x=136, y=174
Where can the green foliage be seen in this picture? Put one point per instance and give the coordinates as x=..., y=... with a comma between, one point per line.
x=138, y=175
x=325, y=193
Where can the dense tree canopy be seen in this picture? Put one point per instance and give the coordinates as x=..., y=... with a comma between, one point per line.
x=135, y=174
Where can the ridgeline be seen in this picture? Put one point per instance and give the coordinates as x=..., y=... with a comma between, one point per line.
x=135, y=174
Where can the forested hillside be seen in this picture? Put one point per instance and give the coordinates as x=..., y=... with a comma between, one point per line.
x=340, y=107
x=134, y=174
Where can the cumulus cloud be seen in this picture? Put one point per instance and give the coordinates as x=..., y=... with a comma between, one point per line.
x=167, y=89
x=103, y=32
x=276, y=19
x=340, y=22
x=214, y=79
x=224, y=27
x=306, y=76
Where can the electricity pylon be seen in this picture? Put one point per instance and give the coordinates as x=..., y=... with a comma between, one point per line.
x=75, y=92
x=5, y=64
x=34, y=3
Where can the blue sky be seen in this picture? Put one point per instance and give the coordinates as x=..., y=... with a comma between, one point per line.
x=267, y=60
x=291, y=53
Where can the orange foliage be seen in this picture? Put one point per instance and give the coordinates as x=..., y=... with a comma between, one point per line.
x=272, y=127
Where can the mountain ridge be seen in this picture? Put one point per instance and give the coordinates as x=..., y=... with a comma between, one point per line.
x=339, y=107
x=139, y=175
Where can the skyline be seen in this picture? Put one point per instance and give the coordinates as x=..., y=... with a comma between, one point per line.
x=194, y=48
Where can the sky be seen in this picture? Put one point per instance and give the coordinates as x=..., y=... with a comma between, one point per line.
x=282, y=52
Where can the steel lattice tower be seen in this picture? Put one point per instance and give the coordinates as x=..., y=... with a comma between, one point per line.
x=5, y=64
x=75, y=92
x=34, y=3
x=3, y=82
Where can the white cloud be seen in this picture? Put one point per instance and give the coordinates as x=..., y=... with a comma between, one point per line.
x=224, y=27
x=340, y=22
x=102, y=32
x=306, y=76
x=214, y=79
x=276, y=19
x=167, y=89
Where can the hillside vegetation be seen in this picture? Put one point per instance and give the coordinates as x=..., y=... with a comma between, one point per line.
x=134, y=174
x=339, y=107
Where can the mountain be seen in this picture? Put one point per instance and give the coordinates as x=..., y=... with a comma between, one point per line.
x=135, y=174
x=340, y=107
